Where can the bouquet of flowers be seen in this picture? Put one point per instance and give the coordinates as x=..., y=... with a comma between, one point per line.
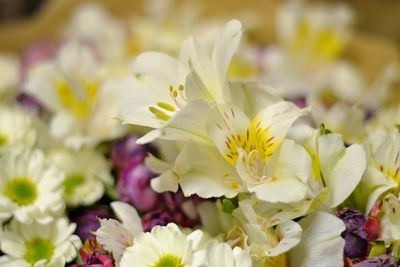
x=131, y=144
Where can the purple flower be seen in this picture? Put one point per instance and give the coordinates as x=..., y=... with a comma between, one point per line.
x=30, y=103
x=160, y=216
x=87, y=221
x=126, y=151
x=354, y=221
x=381, y=261
x=176, y=208
x=355, y=235
x=355, y=246
x=133, y=187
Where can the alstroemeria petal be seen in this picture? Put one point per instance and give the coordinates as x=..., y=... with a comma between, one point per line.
x=128, y=216
x=209, y=174
x=321, y=244
x=157, y=65
x=342, y=168
x=289, y=236
x=225, y=46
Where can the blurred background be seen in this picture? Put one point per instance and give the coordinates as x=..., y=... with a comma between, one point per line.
x=23, y=17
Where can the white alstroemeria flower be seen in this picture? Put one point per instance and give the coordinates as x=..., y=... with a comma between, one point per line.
x=383, y=170
x=115, y=235
x=10, y=76
x=337, y=169
x=163, y=246
x=85, y=107
x=198, y=169
x=321, y=244
x=266, y=162
x=264, y=238
x=92, y=23
x=86, y=174
x=221, y=254
x=16, y=129
x=164, y=90
x=30, y=188
x=385, y=119
x=40, y=245
x=310, y=38
x=343, y=119
x=390, y=219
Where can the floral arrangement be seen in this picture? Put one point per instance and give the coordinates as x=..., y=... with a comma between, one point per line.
x=131, y=144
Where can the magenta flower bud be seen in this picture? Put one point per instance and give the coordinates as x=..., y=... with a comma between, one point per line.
x=381, y=261
x=133, y=187
x=87, y=220
x=126, y=151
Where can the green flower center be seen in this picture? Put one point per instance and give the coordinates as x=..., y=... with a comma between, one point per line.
x=38, y=249
x=72, y=182
x=169, y=260
x=21, y=190
x=3, y=139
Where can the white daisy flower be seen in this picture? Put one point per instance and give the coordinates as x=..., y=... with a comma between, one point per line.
x=30, y=188
x=39, y=245
x=163, y=246
x=87, y=172
x=16, y=129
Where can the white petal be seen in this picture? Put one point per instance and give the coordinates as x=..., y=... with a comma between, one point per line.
x=321, y=244
x=282, y=190
x=189, y=123
x=209, y=174
x=289, y=236
x=225, y=46
x=160, y=66
x=342, y=169
x=128, y=216
x=167, y=181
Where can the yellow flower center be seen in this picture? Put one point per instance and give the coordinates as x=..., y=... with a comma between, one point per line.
x=321, y=45
x=81, y=102
x=21, y=190
x=38, y=249
x=169, y=260
x=255, y=139
x=72, y=182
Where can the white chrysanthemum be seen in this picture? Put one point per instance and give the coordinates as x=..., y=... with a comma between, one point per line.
x=9, y=69
x=16, y=129
x=164, y=246
x=39, y=245
x=86, y=172
x=30, y=188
